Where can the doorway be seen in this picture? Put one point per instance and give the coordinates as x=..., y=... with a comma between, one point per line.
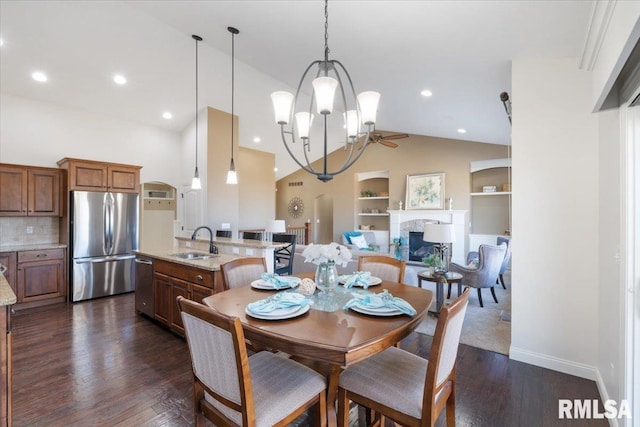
x=323, y=215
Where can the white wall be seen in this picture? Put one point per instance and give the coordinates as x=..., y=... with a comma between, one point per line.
x=555, y=217
x=39, y=134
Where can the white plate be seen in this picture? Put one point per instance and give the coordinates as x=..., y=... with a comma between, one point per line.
x=280, y=313
x=373, y=281
x=382, y=311
x=262, y=284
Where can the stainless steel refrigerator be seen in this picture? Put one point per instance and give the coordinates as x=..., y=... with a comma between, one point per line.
x=103, y=235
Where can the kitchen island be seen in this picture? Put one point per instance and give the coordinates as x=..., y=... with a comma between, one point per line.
x=7, y=299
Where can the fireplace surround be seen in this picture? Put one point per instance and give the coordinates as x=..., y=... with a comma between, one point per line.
x=402, y=222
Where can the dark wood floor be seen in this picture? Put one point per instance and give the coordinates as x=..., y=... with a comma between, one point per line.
x=97, y=363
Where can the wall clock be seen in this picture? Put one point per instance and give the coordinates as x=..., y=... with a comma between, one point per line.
x=296, y=207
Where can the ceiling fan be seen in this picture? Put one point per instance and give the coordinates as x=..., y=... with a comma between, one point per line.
x=386, y=139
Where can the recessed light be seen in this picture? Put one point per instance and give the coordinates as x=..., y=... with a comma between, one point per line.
x=1, y=42
x=256, y=139
x=167, y=115
x=462, y=130
x=426, y=93
x=39, y=76
x=275, y=169
x=119, y=79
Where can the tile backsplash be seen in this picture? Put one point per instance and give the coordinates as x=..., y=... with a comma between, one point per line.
x=13, y=230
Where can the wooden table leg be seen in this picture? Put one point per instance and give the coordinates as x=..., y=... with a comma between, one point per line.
x=332, y=393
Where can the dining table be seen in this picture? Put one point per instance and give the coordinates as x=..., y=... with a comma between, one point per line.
x=328, y=336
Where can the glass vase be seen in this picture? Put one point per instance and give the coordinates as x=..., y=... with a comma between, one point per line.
x=326, y=278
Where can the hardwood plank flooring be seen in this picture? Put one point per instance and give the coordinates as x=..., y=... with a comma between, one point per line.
x=98, y=363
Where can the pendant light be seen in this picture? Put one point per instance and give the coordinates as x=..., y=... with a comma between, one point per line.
x=232, y=176
x=195, y=182
x=356, y=114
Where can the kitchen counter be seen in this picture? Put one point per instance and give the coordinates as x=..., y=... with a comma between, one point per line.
x=212, y=264
x=7, y=297
x=224, y=241
x=32, y=247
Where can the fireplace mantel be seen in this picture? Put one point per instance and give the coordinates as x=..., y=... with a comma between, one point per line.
x=456, y=217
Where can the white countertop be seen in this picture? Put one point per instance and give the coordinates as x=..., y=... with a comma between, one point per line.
x=212, y=263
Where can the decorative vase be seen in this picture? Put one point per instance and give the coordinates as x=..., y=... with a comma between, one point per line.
x=326, y=278
x=399, y=253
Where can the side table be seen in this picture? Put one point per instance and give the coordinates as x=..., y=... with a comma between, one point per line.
x=439, y=279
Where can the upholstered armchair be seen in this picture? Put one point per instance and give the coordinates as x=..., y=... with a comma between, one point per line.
x=485, y=275
x=473, y=257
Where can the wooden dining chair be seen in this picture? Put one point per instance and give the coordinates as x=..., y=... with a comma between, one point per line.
x=283, y=257
x=384, y=267
x=242, y=271
x=234, y=389
x=405, y=387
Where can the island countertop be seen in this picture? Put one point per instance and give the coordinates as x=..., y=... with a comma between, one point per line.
x=213, y=263
x=7, y=297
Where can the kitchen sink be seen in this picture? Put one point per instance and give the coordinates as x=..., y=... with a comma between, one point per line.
x=192, y=255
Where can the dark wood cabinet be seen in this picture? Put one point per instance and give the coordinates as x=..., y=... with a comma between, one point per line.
x=5, y=365
x=171, y=280
x=89, y=175
x=41, y=275
x=29, y=191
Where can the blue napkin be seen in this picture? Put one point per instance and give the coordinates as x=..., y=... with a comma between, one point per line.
x=280, y=282
x=382, y=300
x=278, y=301
x=357, y=278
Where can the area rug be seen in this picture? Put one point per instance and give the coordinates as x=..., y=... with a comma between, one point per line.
x=487, y=328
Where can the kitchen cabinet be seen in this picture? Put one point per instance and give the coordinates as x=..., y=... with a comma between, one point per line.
x=29, y=191
x=41, y=275
x=89, y=175
x=171, y=280
x=5, y=365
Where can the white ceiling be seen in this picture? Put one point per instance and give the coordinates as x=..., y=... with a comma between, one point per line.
x=460, y=50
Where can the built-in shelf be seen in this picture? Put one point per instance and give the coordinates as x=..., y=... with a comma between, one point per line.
x=374, y=198
x=372, y=202
x=493, y=193
x=373, y=214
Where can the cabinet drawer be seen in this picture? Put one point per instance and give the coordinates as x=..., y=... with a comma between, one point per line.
x=41, y=255
x=190, y=274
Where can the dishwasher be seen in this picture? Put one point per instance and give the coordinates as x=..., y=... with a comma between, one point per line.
x=144, y=286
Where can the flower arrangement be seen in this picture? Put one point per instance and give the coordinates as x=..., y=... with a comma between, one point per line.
x=332, y=252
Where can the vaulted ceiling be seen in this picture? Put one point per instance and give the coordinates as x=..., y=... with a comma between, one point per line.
x=459, y=50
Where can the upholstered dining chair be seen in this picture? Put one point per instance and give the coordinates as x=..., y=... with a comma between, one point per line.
x=252, y=235
x=283, y=257
x=223, y=233
x=234, y=389
x=405, y=387
x=486, y=274
x=473, y=256
x=242, y=271
x=384, y=267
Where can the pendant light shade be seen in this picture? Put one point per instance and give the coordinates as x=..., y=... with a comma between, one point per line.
x=339, y=108
x=232, y=176
x=195, y=182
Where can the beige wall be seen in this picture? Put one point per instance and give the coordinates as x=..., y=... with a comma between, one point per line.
x=257, y=190
x=414, y=155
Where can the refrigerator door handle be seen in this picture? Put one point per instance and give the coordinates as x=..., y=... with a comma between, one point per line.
x=110, y=205
x=103, y=259
x=105, y=231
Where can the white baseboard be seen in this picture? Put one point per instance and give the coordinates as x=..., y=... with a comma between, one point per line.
x=604, y=396
x=561, y=365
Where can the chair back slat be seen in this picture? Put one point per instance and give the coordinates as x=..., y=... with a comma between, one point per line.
x=444, y=348
x=242, y=271
x=384, y=267
x=285, y=254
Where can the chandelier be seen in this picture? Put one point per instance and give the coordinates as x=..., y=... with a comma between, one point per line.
x=355, y=123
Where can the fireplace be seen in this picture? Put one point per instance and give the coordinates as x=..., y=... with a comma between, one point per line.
x=418, y=248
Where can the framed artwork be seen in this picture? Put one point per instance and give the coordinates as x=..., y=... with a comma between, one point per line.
x=425, y=191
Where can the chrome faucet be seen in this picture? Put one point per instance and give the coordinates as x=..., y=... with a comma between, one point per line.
x=212, y=248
